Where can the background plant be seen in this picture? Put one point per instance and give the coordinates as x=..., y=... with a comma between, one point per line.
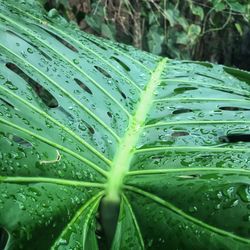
x=213, y=30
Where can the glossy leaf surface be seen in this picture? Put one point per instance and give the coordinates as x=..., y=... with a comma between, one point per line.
x=82, y=118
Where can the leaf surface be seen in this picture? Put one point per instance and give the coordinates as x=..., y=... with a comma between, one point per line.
x=83, y=118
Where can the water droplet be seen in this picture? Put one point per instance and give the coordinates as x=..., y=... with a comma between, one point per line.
x=30, y=50
x=75, y=61
x=10, y=85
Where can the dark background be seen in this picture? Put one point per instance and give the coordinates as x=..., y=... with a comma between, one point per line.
x=206, y=30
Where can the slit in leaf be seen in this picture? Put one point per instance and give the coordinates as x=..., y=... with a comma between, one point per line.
x=4, y=237
x=230, y=92
x=123, y=95
x=232, y=138
x=32, y=45
x=181, y=111
x=19, y=140
x=178, y=76
x=83, y=125
x=190, y=176
x=121, y=63
x=199, y=74
x=47, y=98
x=109, y=114
x=183, y=89
x=208, y=65
x=97, y=44
x=104, y=72
x=229, y=108
x=6, y=102
x=59, y=39
x=83, y=86
x=179, y=134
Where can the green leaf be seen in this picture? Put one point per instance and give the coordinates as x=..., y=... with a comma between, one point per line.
x=169, y=14
x=197, y=10
x=83, y=118
x=193, y=33
x=155, y=39
x=108, y=31
x=219, y=6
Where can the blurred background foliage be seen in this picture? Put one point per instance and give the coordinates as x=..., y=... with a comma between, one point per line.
x=209, y=30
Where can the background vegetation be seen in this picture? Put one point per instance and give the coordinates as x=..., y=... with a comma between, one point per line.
x=210, y=30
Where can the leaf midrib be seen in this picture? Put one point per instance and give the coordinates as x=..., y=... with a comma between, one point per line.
x=125, y=152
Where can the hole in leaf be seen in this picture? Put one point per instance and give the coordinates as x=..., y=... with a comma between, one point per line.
x=190, y=176
x=97, y=44
x=121, y=63
x=208, y=65
x=123, y=95
x=17, y=139
x=179, y=134
x=229, y=108
x=209, y=77
x=230, y=91
x=183, y=89
x=104, y=72
x=235, y=138
x=179, y=76
x=59, y=39
x=109, y=114
x=48, y=99
x=6, y=102
x=181, y=111
x=3, y=238
x=32, y=45
x=83, y=125
x=83, y=86
x=20, y=141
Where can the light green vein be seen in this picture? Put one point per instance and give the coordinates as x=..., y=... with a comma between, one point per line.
x=186, y=216
x=88, y=217
x=44, y=114
x=201, y=99
x=176, y=170
x=160, y=124
x=64, y=182
x=65, y=92
x=197, y=149
x=90, y=203
x=65, y=34
x=58, y=146
x=125, y=151
x=69, y=62
x=134, y=220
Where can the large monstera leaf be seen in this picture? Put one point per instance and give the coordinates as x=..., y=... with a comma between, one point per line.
x=84, y=121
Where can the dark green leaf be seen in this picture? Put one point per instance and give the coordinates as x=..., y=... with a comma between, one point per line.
x=83, y=118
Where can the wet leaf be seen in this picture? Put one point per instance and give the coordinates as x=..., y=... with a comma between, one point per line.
x=85, y=120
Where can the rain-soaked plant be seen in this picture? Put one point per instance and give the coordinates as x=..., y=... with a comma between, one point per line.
x=107, y=147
